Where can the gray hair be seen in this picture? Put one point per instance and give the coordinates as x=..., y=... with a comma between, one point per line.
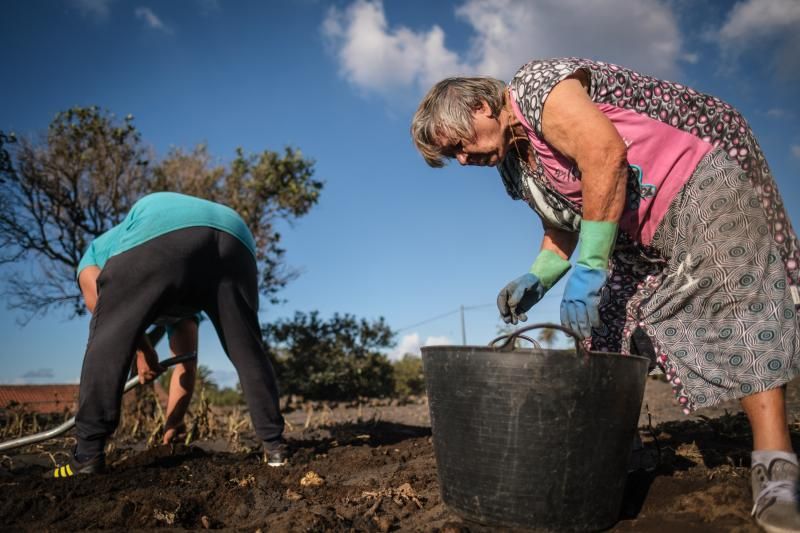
x=446, y=112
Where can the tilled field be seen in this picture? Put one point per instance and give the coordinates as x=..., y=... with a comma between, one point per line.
x=378, y=475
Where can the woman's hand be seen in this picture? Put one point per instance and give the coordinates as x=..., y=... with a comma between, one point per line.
x=580, y=306
x=516, y=298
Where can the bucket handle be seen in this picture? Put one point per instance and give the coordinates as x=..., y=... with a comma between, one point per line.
x=509, y=338
x=516, y=336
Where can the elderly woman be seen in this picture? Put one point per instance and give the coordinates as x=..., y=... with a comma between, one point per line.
x=684, y=240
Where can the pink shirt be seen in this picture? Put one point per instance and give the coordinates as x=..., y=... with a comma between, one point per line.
x=663, y=156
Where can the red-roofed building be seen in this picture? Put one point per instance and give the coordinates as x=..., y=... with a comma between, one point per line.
x=48, y=399
x=40, y=398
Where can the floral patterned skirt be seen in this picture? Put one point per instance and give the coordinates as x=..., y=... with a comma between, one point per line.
x=711, y=293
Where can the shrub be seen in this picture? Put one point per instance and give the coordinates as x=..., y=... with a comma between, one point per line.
x=337, y=359
x=408, y=377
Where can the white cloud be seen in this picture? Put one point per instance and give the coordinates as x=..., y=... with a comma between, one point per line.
x=98, y=9
x=411, y=344
x=512, y=32
x=796, y=150
x=408, y=344
x=438, y=341
x=755, y=18
x=768, y=26
x=691, y=57
x=377, y=56
x=42, y=373
x=151, y=19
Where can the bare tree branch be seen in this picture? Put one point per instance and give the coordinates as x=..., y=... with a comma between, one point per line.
x=78, y=180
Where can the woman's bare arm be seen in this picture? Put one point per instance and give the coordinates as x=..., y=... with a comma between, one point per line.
x=559, y=241
x=574, y=126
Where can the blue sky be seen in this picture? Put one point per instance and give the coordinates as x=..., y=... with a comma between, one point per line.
x=340, y=80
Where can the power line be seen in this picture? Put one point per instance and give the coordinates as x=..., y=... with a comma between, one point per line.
x=443, y=315
x=469, y=307
x=460, y=309
x=437, y=317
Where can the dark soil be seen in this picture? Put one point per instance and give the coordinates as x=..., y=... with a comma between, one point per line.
x=377, y=474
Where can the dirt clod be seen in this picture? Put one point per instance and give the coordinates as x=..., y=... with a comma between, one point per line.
x=293, y=496
x=384, y=523
x=454, y=527
x=311, y=479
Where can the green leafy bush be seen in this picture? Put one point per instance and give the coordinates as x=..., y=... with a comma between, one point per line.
x=335, y=359
x=408, y=377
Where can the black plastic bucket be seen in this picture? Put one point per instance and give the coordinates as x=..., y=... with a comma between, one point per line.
x=533, y=438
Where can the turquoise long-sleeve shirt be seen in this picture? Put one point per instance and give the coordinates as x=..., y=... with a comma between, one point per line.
x=159, y=213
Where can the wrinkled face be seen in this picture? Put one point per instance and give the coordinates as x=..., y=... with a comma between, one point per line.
x=487, y=148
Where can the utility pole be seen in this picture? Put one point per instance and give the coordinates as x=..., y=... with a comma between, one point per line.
x=463, y=329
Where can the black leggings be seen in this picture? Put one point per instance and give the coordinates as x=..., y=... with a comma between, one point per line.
x=198, y=267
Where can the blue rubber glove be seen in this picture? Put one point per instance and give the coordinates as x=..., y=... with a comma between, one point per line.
x=581, y=302
x=580, y=307
x=516, y=298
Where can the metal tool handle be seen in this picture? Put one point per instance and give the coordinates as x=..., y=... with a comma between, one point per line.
x=131, y=383
x=510, y=337
x=66, y=426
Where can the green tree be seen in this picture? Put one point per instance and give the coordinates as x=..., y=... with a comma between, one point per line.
x=216, y=395
x=337, y=359
x=408, y=376
x=62, y=190
x=5, y=157
x=263, y=188
x=548, y=336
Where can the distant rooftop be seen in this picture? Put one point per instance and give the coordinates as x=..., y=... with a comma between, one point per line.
x=40, y=398
x=48, y=399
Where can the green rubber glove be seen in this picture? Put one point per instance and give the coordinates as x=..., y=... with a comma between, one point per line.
x=549, y=267
x=517, y=297
x=580, y=305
